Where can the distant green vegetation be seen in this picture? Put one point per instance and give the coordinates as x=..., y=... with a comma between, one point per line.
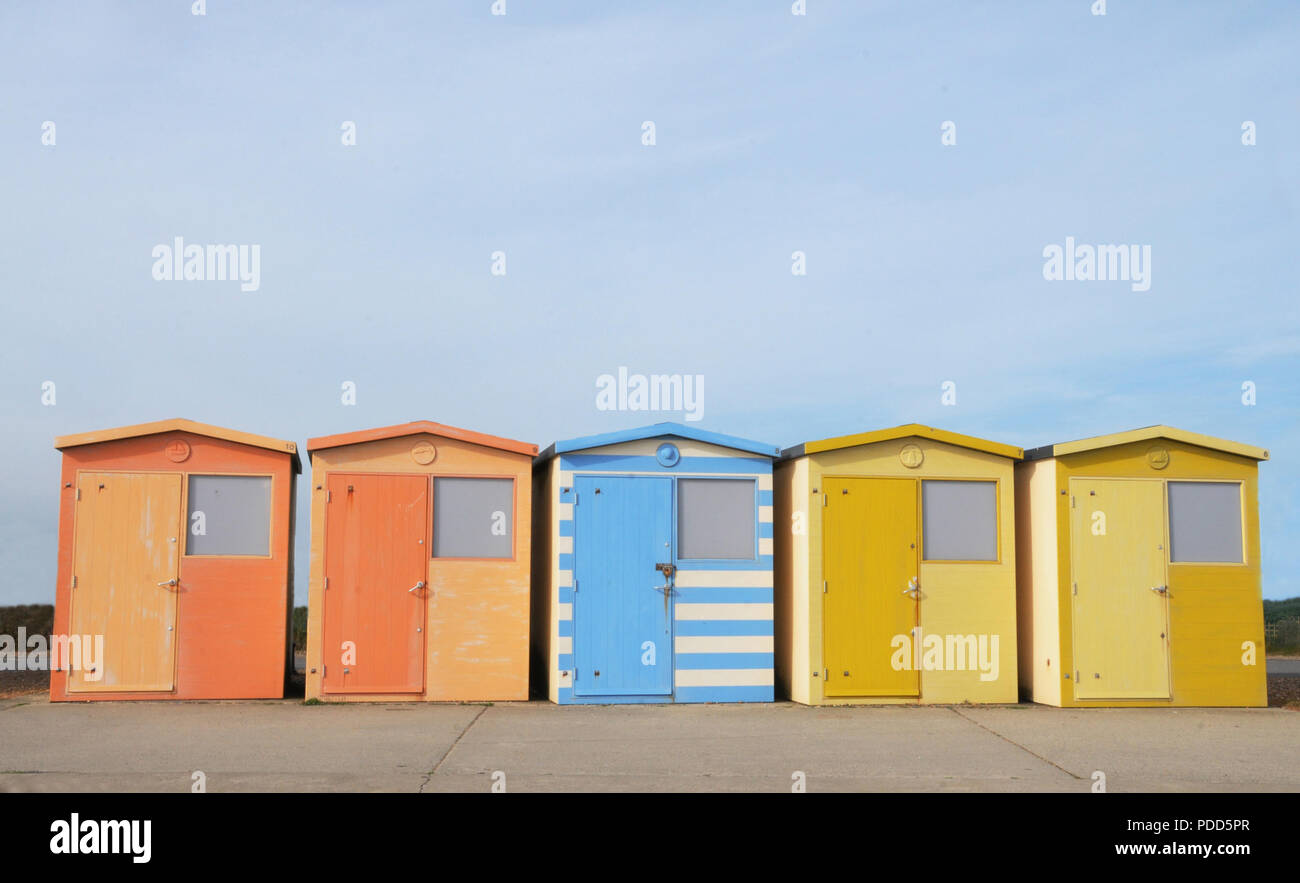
x=38, y=619
x=1276, y=611
x=300, y=629
x=1282, y=626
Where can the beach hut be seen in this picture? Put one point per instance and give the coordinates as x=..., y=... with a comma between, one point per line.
x=652, y=575
x=175, y=573
x=1139, y=576
x=895, y=574
x=419, y=565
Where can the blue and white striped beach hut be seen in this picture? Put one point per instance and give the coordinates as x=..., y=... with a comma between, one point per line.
x=652, y=568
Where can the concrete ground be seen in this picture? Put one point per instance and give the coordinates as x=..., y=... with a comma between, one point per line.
x=288, y=746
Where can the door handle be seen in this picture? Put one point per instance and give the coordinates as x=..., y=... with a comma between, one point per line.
x=416, y=587
x=911, y=587
x=170, y=582
x=1161, y=590
x=664, y=588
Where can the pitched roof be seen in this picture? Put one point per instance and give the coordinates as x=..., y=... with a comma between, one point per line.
x=1144, y=434
x=907, y=430
x=179, y=424
x=416, y=428
x=659, y=430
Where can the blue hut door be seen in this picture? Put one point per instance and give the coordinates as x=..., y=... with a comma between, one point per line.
x=622, y=614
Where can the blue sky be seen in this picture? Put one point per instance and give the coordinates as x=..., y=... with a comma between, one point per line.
x=522, y=133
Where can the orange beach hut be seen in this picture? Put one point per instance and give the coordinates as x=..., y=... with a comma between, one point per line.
x=175, y=572
x=419, y=565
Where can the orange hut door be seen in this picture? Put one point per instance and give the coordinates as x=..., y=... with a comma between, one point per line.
x=126, y=555
x=376, y=565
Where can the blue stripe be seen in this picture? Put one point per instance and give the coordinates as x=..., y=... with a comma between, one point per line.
x=566, y=561
x=724, y=660
x=684, y=694
x=566, y=662
x=634, y=463
x=725, y=694
x=722, y=627
x=765, y=498
x=566, y=628
x=765, y=530
x=719, y=595
x=566, y=528
x=566, y=594
x=762, y=562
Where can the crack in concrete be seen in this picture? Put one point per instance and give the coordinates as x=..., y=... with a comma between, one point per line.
x=1045, y=760
x=433, y=772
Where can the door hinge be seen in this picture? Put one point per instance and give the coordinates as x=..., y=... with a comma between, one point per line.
x=324, y=669
x=78, y=493
x=826, y=500
x=575, y=502
x=826, y=674
x=74, y=580
x=575, y=674
x=1076, y=676
x=575, y=585
x=329, y=496
x=1071, y=501
x=1076, y=588
x=825, y=587
x=327, y=582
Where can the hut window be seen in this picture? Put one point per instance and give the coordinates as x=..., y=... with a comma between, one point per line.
x=473, y=517
x=229, y=515
x=716, y=518
x=959, y=520
x=1205, y=522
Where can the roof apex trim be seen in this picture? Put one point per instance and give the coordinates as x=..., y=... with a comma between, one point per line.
x=659, y=430
x=180, y=424
x=907, y=430
x=1147, y=433
x=420, y=427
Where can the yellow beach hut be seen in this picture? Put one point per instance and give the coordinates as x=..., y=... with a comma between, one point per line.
x=1139, y=576
x=895, y=569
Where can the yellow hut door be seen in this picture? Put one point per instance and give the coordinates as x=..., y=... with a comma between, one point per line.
x=1121, y=615
x=870, y=561
x=126, y=559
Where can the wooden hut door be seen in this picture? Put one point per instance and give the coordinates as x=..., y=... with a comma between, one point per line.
x=126, y=560
x=376, y=566
x=870, y=564
x=1120, y=611
x=622, y=606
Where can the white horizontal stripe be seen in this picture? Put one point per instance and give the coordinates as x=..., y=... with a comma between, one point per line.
x=563, y=644
x=765, y=514
x=724, y=644
x=724, y=579
x=765, y=546
x=747, y=611
x=563, y=545
x=724, y=677
x=564, y=612
x=564, y=512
